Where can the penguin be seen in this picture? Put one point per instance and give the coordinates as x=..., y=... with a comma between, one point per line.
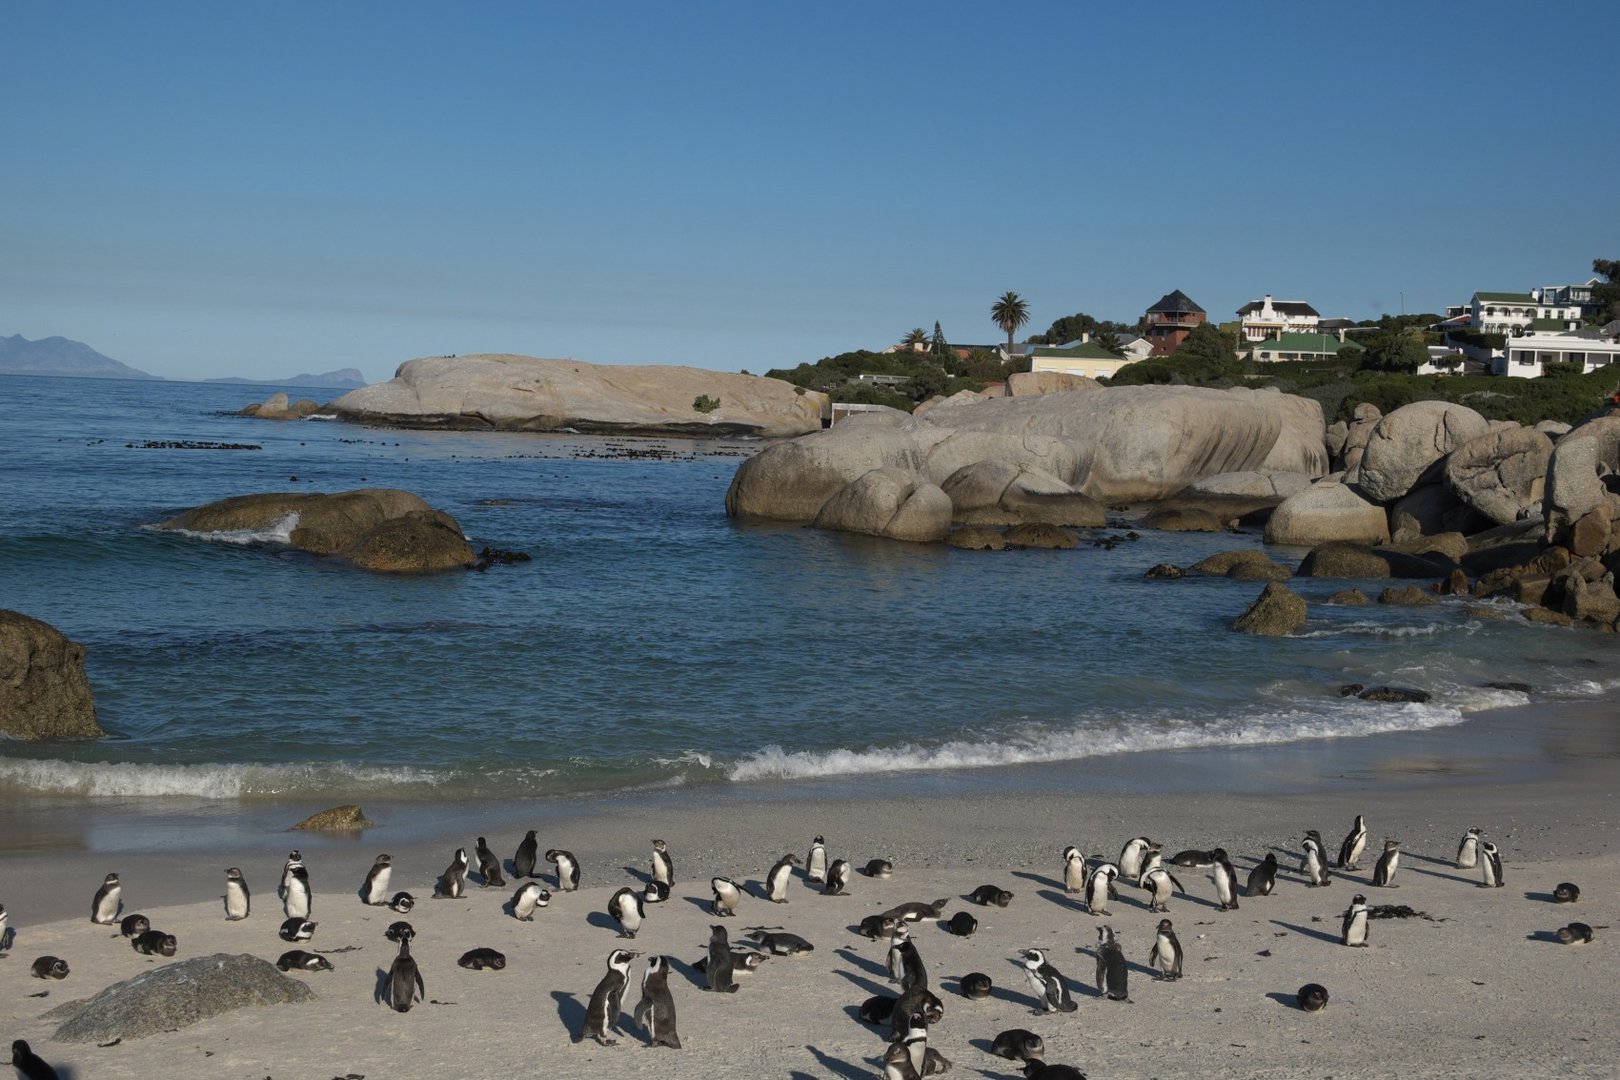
x=1160, y=882
x=1314, y=862
x=744, y=961
x=401, y=903
x=1112, y=970
x=1312, y=997
x=924, y=1059
x=897, y=1063
x=908, y=969
x=778, y=942
x=876, y=926
x=837, y=879
x=1353, y=928
x=108, y=901
x=1354, y=844
x=6, y=932
x=481, y=958
x=1567, y=892
x=976, y=985
x=1152, y=857
x=1017, y=1044
x=882, y=869
x=894, y=961
x=1468, y=849
x=529, y=897
x=299, y=960
x=626, y=906
x=1130, y=857
x=294, y=858
x=877, y=1009
x=815, y=863
x=567, y=868
x=917, y=910
x=656, y=1010
x=1047, y=984
x=918, y=1001
x=299, y=900
x=1074, y=870
x=1388, y=863
x=400, y=931
x=1225, y=880
x=374, y=890
x=134, y=924
x=29, y=1065
x=236, y=895
x=49, y=967
x=727, y=895
x=986, y=895
x=1165, y=955
x=776, y=882
x=405, y=985
x=1036, y=1069
x=155, y=941
x=1576, y=933
x=1263, y=878
x=452, y=884
x=720, y=967
x=655, y=892
x=663, y=867
x=1490, y=866
x=297, y=930
x=1100, y=888
x=528, y=851
x=489, y=867
x=1192, y=858
x=962, y=924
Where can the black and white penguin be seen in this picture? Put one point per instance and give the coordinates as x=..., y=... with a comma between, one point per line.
x=400, y=931
x=1160, y=883
x=911, y=971
x=567, y=868
x=918, y=910
x=1263, y=878
x=744, y=961
x=777, y=942
x=727, y=895
x=6, y=933
x=528, y=853
x=918, y=1001
x=1165, y=956
x=976, y=985
x=49, y=967
x=1047, y=983
x=1225, y=880
x=373, y=890
x=1468, y=850
x=1353, y=927
x=1018, y=1044
x=1113, y=972
x=924, y=1059
x=1354, y=844
x=1312, y=997
x=815, y=863
x=962, y=924
x=1074, y=870
x=1192, y=858
x=655, y=892
x=1567, y=892
x=1100, y=888
x=296, y=929
x=29, y=1065
x=108, y=901
x=482, y=959
x=237, y=900
x=837, y=883
x=155, y=943
x=299, y=960
x=882, y=869
x=300, y=899
x=720, y=965
x=897, y=1062
x=627, y=907
x=1490, y=866
x=875, y=926
x=1576, y=933
x=401, y=903
x=663, y=868
x=529, y=897
x=990, y=894
x=877, y=1009
x=294, y=858
x=894, y=960
x=134, y=924
x=452, y=884
x=1130, y=857
x=656, y=1010
x=405, y=985
x=489, y=867
x=1313, y=863
x=776, y=882
x=1389, y=862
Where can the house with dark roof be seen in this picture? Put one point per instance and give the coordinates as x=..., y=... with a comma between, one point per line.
x=1268, y=318
x=1168, y=322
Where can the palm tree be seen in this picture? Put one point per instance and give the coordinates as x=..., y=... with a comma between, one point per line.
x=918, y=336
x=1010, y=313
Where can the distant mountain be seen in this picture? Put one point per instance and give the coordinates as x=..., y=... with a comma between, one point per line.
x=60, y=356
x=344, y=378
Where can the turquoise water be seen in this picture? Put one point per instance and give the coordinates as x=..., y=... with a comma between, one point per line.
x=651, y=641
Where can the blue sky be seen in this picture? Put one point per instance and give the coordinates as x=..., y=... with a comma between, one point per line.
x=231, y=189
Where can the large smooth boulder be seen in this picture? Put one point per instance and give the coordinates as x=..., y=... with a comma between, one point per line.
x=1574, y=487
x=1326, y=512
x=1245, y=564
x=943, y=451
x=1430, y=509
x=998, y=493
x=1250, y=484
x=44, y=693
x=1361, y=561
x=1407, y=442
x=176, y=996
x=1276, y=612
x=1358, y=432
x=1501, y=474
x=1034, y=383
x=413, y=544
x=890, y=503
x=523, y=393
x=1301, y=445
x=791, y=481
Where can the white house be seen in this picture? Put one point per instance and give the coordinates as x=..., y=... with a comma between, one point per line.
x=1266, y=317
x=1442, y=361
x=1510, y=313
x=1135, y=346
x=1087, y=359
x=1527, y=355
x=1293, y=347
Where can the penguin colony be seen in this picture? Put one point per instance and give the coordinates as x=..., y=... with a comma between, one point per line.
x=905, y=1016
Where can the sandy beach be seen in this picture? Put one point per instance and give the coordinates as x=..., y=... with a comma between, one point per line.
x=1480, y=987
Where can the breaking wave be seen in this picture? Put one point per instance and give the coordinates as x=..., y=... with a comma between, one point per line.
x=279, y=533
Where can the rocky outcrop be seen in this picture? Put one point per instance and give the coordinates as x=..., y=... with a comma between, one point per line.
x=1034, y=383
x=1168, y=518
x=1574, y=488
x=346, y=818
x=1359, y=561
x=977, y=538
x=381, y=529
x=1277, y=612
x=1429, y=509
x=1501, y=474
x=1410, y=440
x=1326, y=512
x=891, y=503
x=521, y=393
x=276, y=407
x=999, y=493
x=1040, y=536
x=176, y=996
x=1252, y=484
x=44, y=693
x=1243, y=565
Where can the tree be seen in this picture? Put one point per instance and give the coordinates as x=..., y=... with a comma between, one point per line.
x=1108, y=340
x=1605, y=295
x=916, y=337
x=1209, y=347
x=1010, y=312
x=1402, y=351
x=939, y=348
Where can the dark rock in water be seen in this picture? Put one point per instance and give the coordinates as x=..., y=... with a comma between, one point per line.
x=976, y=538
x=1038, y=535
x=489, y=557
x=1243, y=565
x=1343, y=560
x=1383, y=693
x=1407, y=596
x=176, y=996
x=44, y=692
x=1348, y=598
x=1183, y=519
x=1166, y=572
x=347, y=816
x=1520, y=687
x=1277, y=612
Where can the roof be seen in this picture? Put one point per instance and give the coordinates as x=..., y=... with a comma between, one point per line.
x=1285, y=307
x=1312, y=343
x=1089, y=351
x=1177, y=301
x=1549, y=324
x=1505, y=297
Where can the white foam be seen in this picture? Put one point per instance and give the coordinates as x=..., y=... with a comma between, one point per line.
x=1372, y=629
x=106, y=779
x=279, y=533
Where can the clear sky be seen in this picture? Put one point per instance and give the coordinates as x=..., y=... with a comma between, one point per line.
x=264, y=189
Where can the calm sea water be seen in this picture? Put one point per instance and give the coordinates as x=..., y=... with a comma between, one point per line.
x=651, y=641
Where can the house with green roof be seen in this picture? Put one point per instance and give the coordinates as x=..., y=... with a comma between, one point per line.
x=1087, y=359
x=1291, y=347
x=1521, y=313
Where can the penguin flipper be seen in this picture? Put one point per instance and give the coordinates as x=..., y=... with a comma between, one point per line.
x=1179, y=887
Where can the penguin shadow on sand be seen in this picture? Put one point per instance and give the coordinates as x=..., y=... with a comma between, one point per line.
x=1538, y=897
x=1130, y=965
x=1039, y=879
x=690, y=973
x=831, y=1066
x=603, y=920
x=1546, y=936
x=570, y=1011
x=1319, y=935
x=1075, y=902
x=870, y=967
x=379, y=993
x=989, y=1047
x=1289, y=1001
x=641, y=876
x=706, y=906
x=867, y=986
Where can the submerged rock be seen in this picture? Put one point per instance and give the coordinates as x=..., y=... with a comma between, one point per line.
x=44, y=692
x=345, y=817
x=1384, y=693
x=176, y=996
x=1277, y=612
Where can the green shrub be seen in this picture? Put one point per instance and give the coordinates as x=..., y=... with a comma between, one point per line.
x=703, y=403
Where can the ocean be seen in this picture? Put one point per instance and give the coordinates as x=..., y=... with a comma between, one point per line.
x=651, y=642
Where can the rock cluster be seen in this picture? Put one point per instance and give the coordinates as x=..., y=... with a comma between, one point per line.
x=277, y=407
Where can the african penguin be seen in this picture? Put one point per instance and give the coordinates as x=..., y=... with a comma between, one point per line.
x=528, y=898
x=401, y=903
x=1017, y=1044
x=1130, y=857
x=655, y=892
x=399, y=931
x=815, y=863
x=567, y=868
x=602, y=1014
x=452, y=884
x=628, y=908
x=1354, y=844
x=656, y=1010
x=299, y=960
x=990, y=894
x=1353, y=928
x=1165, y=956
x=134, y=924
x=1263, y=878
x=49, y=967
x=1160, y=882
x=299, y=899
x=1567, y=892
x=1112, y=970
x=976, y=985
x=1100, y=888
x=727, y=895
x=1576, y=933
x=837, y=879
x=374, y=890
x=108, y=901
x=719, y=970
x=489, y=867
x=1468, y=849
x=1074, y=870
x=1312, y=997
x=482, y=958
x=296, y=929
x=1225, y=880
x=1314, y=861
x=776, y=882
x=236, y=895
x=1490, y=866
x=29, y=1065
x=1388, y=863
x=882, y=869
x=663, y=868
x=405, y=985
x=528, y=853
x=155, y=942
x=1047, y=984
x=294, y=858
